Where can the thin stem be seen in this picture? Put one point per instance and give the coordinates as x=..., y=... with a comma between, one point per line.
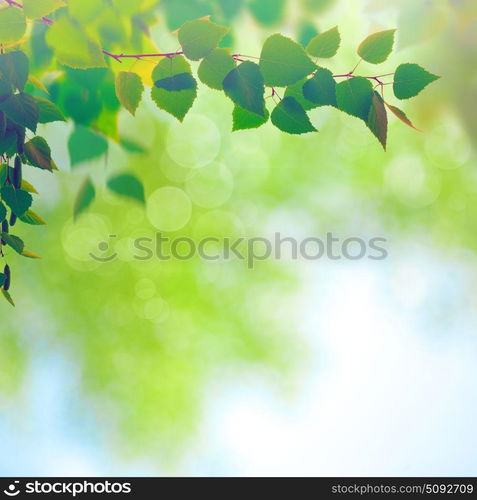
x=387, y=74
x=118, y=57
x=275, y=94
x=356, y=67
x=375, y=78
x=242, y=55
x=112, y=55
x=348, y=75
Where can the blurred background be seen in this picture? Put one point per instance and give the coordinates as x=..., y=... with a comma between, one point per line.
x=292, y=368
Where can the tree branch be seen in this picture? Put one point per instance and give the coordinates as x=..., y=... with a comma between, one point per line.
x=237, y=57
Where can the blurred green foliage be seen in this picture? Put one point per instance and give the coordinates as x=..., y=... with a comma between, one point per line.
x=151, y=337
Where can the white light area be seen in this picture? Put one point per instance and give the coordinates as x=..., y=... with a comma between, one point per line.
x=47, y=430
x=384, y=390
x=410, y=181
x=80, y=238
x=57, y=135
x=203, y=141
x=415, y=295
x=210, y=186
x=169, y=208
x=448, y=140
x=380, y=396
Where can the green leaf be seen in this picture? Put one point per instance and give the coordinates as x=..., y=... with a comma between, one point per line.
x=22, y=109
x=3, y=125
x=37, y=83
x=200, y=37
x=6, y=88
x=354, y=96
x=179, y=11
x=306, y=33
x=230, y=8
x=401, y=115
x=244, y=85
x=85, y=10
x=32, y=218
x=85, y=197
x=284, y=62
x=176, y=83
x=4, y=171
x=2, y=279
x=128, y=7
x=72, y=46
x=85, y=145
x=26, y=186
x=36, y=9
x=30, y=255
x=8, y=297
x=3, y=212
x=289, y=116
x=14, y=242
x=38, y=153
x=378, y=119
x=267, y=12
x=410, y=80
x=49, y=112
x=376, y=48
x=15, y=68
x=321, y=89
x=228, y=41
x=132, y=146
x=20, y=133
x=215, y=67
x=317, y=6
x=8, y=144
x=296, y=91
x=176, y=103
x=127, y=185
x=244, y=119
x=325, y=45
x=19, y=201
x=12, y=25
x=129, y=89
x=82, y=104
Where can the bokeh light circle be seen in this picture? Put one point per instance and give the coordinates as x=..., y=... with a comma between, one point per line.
x=145, y=289
x=210, y=186
x=194, y=143
x=408, y=179
x=155, y=309
x=448, y=147
x=88, y=235
x=169, y=209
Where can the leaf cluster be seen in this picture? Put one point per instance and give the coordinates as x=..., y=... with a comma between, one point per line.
x=283, y=64
x=87, y=40
x=20, y=114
